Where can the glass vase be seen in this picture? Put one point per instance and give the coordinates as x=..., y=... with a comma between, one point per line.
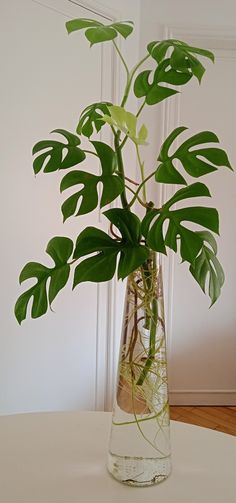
x=139, y=449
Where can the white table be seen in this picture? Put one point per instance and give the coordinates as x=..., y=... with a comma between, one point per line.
x=60, y=457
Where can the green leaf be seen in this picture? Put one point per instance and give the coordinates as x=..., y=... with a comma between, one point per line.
x=112, y=184
x=167, y=173
x=93, y=240
x=126, y=122
x=197, y=189
x=90, y=118
x=207, y=270
x=197, y=162
x=153, y=91
x=190, y=242
x=128, y=224
x=133, y=254
x=81, y=23
x=49, y=280
x=181, y=56
x=53, y=157
x=209, y=238
x=101, y=267
x=141, y=84
x=158, y=94
x=98, y=32
x=131, y=258
x=175, y=70
x=164, y=152
x=123, y=29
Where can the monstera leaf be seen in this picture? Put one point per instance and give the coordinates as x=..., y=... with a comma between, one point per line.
x=190, y=241
x=177, y=70
x=96, y=31
x=126, y=122
x=197, y=162
x=49, y=280
x=53, y=156
x=154, y=92
x=181, y=58
x=112, y=184
x=206, y=268
x=90, y=118
x=102, y=266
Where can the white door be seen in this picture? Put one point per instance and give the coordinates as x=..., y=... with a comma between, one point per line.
x=60, y=361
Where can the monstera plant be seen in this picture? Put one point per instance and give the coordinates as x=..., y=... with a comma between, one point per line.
x=129, y=247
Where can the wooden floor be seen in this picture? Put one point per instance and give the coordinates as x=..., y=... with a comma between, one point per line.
x=216, y=418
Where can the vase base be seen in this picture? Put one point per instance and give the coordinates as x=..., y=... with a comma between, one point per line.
x=137, y=471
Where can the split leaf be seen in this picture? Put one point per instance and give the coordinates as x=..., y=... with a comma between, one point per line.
x=97, y=32
x=197, y=162
x=190, y=241
x=112, y=184
x=90, y=119
x=53, y=157
x=181, y=58
x=102, y=266
x=49, y=280
x=206, y=268
x=176, y=65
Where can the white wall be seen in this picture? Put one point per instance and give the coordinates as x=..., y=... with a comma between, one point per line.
x=202, y=343
x=63, y=360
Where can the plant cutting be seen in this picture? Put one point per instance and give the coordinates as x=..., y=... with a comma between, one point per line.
x=139, y=452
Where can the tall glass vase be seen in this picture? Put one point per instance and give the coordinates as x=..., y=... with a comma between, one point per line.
x=139, y=450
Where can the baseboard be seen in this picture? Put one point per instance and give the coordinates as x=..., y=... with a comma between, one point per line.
x=203, y=397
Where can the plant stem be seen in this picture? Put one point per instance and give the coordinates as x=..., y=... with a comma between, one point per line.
x=138, y=198
x=120, y=168
x=90, y=152
x=124, y=142
x=140, y=187
x=153, y=328
x=135, y=68
x=141, y=108
x=130, y=74
x=121, y=57
x=141, y=165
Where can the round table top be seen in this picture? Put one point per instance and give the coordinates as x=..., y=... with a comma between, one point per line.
x=60, y=457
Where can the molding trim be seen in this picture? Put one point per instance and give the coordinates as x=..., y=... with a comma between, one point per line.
x=211, y=37
x=222, y=397
x=97, y=8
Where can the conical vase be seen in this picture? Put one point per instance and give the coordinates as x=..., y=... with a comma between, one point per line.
x=139, y=448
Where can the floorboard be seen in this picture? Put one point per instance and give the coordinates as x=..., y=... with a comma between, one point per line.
x=216, y=418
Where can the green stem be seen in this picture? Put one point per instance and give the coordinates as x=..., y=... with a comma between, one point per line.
x=130, y=75
x=135, y=68
x=141, y=166
x=90, y=152
x=140, y=187
x=130, y=79
x=124, y=142
x=120, y=168
x=138, y=198
x=121, y=57
x=141, y=108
